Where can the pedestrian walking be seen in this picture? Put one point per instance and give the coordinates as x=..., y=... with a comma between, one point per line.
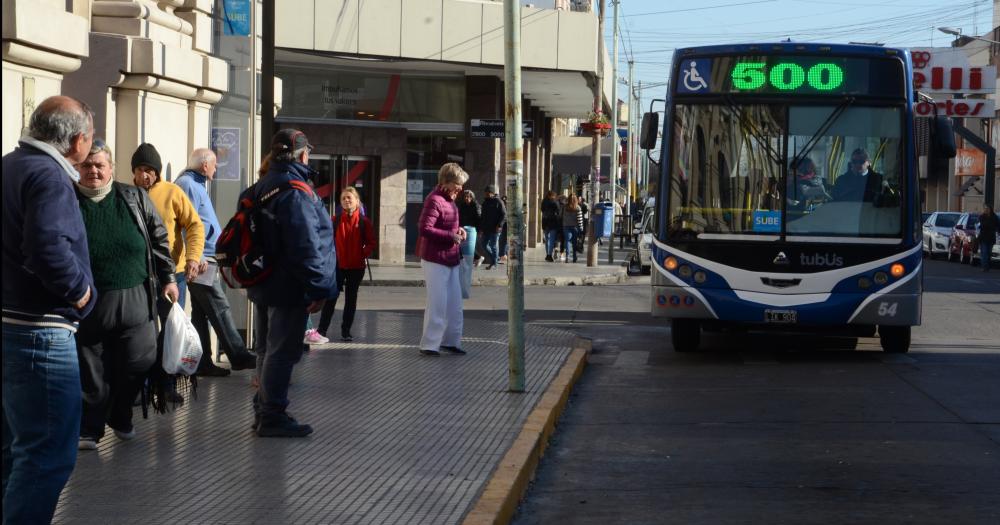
x=470, y=213
x=209, y=305
x=989, y=224
x=354, y=238
x=572, y=222
x=438, y=248
x=48, y=288
x=298, y=241
x=185, y=230
x=494, y=216
x=551, y=222
x=130, y=260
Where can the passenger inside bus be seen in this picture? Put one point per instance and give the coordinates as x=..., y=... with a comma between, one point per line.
x=859, y=183
x=807, y=189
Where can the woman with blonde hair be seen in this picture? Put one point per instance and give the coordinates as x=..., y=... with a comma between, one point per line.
x=438, y=248
x=572, y=221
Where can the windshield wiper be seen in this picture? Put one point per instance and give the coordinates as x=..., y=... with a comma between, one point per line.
x=830, y=119
x=755, y=132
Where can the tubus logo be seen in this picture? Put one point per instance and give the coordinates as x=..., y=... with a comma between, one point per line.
x=821, y=259
x=781, y=258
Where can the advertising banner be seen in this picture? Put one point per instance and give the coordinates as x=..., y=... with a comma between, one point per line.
x=226, y=145
x=970, y=162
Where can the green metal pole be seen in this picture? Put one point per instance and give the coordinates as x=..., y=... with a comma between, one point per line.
x=515, y=195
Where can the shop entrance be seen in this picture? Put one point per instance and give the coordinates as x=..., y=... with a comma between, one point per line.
x=339, y=171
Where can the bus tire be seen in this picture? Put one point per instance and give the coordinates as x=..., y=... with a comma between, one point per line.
x=685, y=334
x=894, y=339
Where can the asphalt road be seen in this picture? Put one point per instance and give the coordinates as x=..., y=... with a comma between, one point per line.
x=774, y=429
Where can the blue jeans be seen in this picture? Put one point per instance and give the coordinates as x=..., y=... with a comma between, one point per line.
x=181, y=288
x=550, y=241
x=570, y=234
x=490, y=245
x=209, y=306
x=41, y=419
x=984, y=255
x=279, y=347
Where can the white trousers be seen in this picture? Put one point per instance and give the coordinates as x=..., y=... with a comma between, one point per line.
x=443, y=312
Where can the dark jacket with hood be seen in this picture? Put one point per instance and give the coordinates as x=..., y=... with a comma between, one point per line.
x=494, y=215
x=298, y=238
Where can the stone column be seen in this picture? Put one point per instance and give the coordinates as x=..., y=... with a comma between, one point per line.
x=42, y=42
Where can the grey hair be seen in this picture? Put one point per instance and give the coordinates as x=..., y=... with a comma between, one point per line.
x=59, y=125
x=452, y=173
x=198, y=157
x=289, y=156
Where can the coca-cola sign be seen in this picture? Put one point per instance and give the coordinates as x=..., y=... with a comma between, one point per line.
x=947, y=70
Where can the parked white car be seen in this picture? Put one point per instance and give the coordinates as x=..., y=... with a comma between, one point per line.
x=642, y=256
x=937, y=231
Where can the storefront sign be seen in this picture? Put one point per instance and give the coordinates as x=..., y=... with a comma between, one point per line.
x=480, y=128
x=236, y=17
x=226, y=145
x=337, y=95
x=970, y=162
x=947, y=70
x=967, y=107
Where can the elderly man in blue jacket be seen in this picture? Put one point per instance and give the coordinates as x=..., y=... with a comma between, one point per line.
x=47, y=289
x=208, y=302
x=299, y=243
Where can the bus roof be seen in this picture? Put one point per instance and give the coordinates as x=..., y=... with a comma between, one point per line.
x=792, y=48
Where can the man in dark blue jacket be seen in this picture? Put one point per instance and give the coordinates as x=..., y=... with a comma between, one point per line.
x=493, y=218
x=47, y=289
x=299, y=243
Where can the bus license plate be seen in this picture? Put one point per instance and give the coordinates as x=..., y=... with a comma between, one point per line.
x=780, y=316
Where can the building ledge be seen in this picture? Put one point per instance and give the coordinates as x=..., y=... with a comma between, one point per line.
x=56, y=45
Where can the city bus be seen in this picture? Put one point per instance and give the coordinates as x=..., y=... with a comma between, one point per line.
x=787, y=194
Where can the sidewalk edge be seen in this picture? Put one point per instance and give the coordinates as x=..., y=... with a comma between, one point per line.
x=499, y=500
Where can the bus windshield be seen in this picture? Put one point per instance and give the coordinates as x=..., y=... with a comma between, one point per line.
x=797, y=172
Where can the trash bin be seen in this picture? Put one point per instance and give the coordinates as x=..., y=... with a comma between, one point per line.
x=604, y=219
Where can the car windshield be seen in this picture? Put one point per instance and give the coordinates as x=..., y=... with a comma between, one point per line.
x=946, y=220
x=732, y=177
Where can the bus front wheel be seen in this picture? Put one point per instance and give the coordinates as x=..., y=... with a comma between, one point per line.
x=685, y=334
x=894, y=339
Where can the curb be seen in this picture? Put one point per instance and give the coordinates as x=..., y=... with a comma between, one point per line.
x=581, y=280
x=499, y=500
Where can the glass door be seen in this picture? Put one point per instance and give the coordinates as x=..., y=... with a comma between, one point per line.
x=335, y=172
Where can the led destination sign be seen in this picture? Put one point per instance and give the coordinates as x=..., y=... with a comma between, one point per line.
x=790, y=75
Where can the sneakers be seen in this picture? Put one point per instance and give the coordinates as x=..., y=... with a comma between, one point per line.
x=314, y=338
x=244, y=361
x=453, y=350
x=503, y=260
x=432, y=353
x=87, y=443
x=125, y=436
x=212, y=371
x=346, y=337
x=282, y=425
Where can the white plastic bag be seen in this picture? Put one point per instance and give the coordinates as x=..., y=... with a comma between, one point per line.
x=181, y=345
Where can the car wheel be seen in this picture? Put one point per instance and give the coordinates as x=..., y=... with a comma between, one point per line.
x=634, y=268
x=646, y=270
x=894, y=339
x=685, y=334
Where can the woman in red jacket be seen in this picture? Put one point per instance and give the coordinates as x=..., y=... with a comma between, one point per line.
x=354, y=237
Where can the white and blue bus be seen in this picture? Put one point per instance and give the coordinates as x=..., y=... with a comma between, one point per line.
x=787, y=193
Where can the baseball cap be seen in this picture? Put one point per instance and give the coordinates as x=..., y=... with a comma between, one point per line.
x=289, y=140
x=491, y=188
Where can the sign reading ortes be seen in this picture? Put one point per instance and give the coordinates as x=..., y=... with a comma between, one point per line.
x=962, y=107
x=947, y=70
x=481, y=128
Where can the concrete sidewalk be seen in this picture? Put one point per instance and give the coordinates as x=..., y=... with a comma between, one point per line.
x=400, y=438
x=537, y=271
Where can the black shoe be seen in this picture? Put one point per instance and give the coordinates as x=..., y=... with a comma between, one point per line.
x=346, y=337
x=432, y=353
x=548, y=258
x=244, y=361
x=212, y=371
x=453, y=350
x=282, y=426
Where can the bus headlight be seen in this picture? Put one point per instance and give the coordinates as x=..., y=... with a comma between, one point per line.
x=670, y=263
x=699, y=277
x=684, y=271
x=864, y=283
x=881, y=278
x=897, y=270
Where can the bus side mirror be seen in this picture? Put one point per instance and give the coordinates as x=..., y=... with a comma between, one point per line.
x=648, y=131
x=942, y=147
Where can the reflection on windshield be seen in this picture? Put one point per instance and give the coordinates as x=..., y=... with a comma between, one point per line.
x=738, y=173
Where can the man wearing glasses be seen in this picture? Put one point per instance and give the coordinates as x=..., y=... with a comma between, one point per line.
x=859, y=183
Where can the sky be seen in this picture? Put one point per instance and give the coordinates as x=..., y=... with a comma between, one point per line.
x=650, y=30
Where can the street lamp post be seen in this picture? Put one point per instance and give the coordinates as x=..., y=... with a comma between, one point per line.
x=514, y=156
x=958, y=32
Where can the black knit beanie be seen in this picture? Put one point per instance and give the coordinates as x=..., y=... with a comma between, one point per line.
x=146, y=155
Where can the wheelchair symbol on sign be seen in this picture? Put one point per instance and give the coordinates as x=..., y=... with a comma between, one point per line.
x=692, y=78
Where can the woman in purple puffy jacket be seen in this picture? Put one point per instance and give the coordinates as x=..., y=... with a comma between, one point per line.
x=438, y=248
